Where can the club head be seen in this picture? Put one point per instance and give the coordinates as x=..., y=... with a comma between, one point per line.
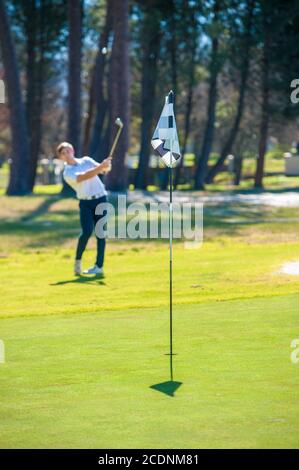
x=119, y=122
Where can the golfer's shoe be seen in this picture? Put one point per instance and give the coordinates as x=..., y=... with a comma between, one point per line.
x=94, y=270
x=77, y=267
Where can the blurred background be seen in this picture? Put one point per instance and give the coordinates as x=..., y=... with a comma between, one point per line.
x=69, y=68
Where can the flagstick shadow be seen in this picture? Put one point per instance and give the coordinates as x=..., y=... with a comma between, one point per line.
x=168, y=388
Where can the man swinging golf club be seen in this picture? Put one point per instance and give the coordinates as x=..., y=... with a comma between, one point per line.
x=82, y=175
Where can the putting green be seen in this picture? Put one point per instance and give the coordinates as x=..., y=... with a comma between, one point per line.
x=84, y=380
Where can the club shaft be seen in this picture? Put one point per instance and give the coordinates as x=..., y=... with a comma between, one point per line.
x=115, y=141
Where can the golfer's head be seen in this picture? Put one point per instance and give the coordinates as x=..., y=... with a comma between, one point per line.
x=65, y=151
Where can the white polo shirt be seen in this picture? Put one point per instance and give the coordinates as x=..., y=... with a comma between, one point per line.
x=87, y=188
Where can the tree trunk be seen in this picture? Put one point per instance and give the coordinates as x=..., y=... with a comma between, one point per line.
x=238, y=163
x=101, y=123
x=188, y=112
x=75, y=12
x=191, y=45
x=37, y=124
x=186, y=127
x=119, y=93
x=174, y=72
x=202, y=159
x=35, y=82
x=209, y=130
x=264, y=126
x=30, y=13
x=74, y=78
x=227, y=148
x=96, y=95
x=18, y=181
x=152, y=36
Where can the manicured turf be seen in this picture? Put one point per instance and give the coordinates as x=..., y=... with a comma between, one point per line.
x=82, y=355
x=83, y=380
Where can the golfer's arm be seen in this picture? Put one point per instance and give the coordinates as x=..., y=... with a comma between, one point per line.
x=90, y=173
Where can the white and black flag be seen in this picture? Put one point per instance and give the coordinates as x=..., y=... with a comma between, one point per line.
x=165, y=139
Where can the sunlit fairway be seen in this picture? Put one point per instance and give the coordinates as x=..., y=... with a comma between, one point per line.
x=83, y=353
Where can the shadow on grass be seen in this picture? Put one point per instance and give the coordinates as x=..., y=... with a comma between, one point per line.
x=40, y=210
x=82, y=280
x=168, y=388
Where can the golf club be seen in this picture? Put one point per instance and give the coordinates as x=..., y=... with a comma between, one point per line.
x=120, y=125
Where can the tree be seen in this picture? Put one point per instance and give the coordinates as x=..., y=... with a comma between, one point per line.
x=97, y=103
x=43, y=22
x=74, y=78
x=278, y=31
x=119, y=93
x=242, y=50
x=264, y=125
x=150, y=37
x=191, y=33
x=38, y=35
x=18, y=181
x=173, y=32
x=214, y=68
x=75, y=12
x=34, y=28
x=177, y=60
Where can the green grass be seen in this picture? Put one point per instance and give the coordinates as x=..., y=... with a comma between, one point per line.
x=83, y=380
x=82, y=354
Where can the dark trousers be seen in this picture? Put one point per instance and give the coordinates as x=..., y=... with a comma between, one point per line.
x=88, y=220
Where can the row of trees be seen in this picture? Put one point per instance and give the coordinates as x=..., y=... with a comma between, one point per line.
x=72, y=67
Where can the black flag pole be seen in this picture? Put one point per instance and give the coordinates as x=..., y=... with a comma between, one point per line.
x=170, y=272
x=166, y=143
x=171, y=125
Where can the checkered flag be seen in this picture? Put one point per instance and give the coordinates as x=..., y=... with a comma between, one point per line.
x=165, y=139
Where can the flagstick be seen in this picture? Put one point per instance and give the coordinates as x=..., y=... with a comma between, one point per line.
x=170, y=265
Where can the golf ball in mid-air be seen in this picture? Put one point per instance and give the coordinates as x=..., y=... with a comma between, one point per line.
x=104, y=50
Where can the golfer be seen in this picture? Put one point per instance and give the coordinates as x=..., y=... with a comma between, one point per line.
x=82, y=175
